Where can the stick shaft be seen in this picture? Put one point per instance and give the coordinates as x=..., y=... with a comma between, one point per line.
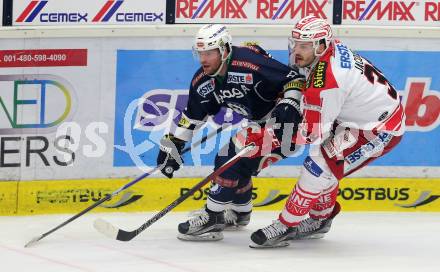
x=110, y=196
x=128, y=235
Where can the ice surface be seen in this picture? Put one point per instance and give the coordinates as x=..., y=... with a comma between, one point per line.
x=357, y=242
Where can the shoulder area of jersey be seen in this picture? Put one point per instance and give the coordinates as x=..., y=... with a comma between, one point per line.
x=343, y=56
x=253, y=48
x=202, y=84
x=323, y=76
x=199, y=77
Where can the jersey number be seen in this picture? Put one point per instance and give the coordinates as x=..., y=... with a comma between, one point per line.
x=370, y=71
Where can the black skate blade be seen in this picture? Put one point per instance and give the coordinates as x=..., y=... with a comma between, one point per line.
x=311, y=237
x=209, y=236
x=315, y=236
x=234, y=228
x=280, y=244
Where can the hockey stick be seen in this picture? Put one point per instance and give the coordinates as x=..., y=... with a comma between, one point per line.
x=110, y=196
x=115, y=233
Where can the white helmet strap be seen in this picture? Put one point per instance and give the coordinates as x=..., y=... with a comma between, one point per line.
x=224, y=59
x=316, y=48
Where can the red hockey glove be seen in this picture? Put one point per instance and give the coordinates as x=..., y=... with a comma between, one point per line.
x=263, y=138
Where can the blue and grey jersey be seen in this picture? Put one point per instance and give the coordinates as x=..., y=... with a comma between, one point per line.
x=253, y=83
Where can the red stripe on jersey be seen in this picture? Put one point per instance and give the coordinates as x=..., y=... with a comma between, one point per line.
x=197, y=78
x=310, y=129
x=394, y=122
x=303, y=192
x=322, y=78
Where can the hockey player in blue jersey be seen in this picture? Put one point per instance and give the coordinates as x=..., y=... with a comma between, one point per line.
x=256, y=86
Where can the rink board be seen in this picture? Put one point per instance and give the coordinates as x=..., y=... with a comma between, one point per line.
x=73, y=112
x=72, y=196
x=8, y=197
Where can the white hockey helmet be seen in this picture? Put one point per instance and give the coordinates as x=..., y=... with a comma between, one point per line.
x=212, y=37
x=312, y=29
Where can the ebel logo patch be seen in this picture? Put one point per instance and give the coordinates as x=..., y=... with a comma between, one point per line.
x=184, y=122
x=215, y=189
x=312, y=167
x=319, y=76
x=206, y=87
x=240, y=78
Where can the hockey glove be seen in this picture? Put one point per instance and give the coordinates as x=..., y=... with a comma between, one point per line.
x=263, y=138
x=169, y=158
x=287, y=115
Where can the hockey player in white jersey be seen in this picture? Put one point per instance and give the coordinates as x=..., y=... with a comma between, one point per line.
x=351, y=116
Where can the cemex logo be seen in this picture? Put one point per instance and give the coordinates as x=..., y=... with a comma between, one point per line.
x=107, y=12
x=34, y=8
x=379, y=10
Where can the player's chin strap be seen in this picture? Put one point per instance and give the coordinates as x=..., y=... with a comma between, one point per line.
x=224, y=60
x=310, y=68
x=316, y=60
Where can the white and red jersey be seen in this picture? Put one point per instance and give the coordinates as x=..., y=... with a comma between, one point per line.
x=344, y=87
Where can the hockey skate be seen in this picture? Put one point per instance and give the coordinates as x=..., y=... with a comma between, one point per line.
x=274, y=235
x=205, y=226
x=236, y=220
x=233, y=220
x=314, y=228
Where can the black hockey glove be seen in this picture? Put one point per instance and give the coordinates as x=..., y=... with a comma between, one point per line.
x=169, y=158
x=287, y=115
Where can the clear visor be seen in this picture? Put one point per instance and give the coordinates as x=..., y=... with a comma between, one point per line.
x=210, y=53
x=299, y=47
